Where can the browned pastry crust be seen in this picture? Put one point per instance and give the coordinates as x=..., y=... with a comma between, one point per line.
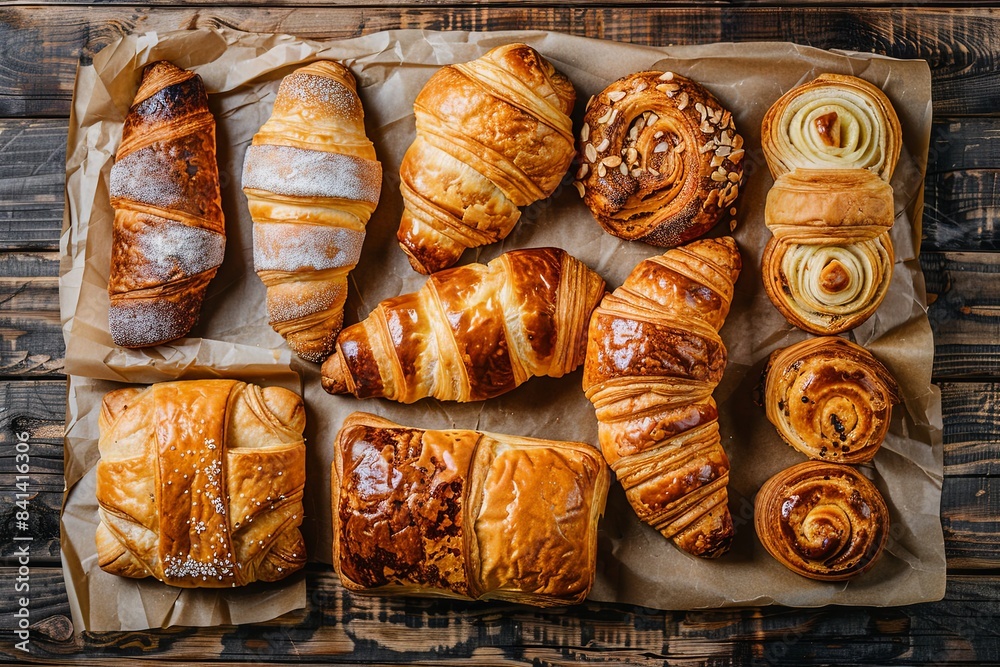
x=200, y=483
x=493, y=134
x=829, y=262
x=832, y=122
x=830, y=399
x=654, y=357
x=465, y=514
x=472, y=332
x=822, y=520
x=662, y=161
x=169, y=235
x=312, y=182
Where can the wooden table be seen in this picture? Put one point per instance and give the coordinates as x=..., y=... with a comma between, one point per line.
x=40, y=47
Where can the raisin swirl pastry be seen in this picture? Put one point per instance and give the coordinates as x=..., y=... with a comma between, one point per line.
x=830, y=399
x=662, y=161
x=832, y=122
x=822, y=520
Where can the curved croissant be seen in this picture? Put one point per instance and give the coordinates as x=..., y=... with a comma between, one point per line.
x=169, y=236
x=662, y=161
x=822, y=520
x=832, y=122
x=200, y=483
x=493, y=134
x=654, y=357
x=829, y=262
x=830, y=399
x=312, y=182
x=472, y=332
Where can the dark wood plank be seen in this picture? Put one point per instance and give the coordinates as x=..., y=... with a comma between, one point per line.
x=962, y=210
x=340, y=627
x=42, y=45
x=32, y=174
x=963, y=144
x=31, y=342
x=971, y=428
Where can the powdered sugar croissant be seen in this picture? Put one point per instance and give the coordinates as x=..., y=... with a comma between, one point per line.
x=169, y=235
x=472, y=332
x=493, y=134
x=654, y=357
x=312, y=182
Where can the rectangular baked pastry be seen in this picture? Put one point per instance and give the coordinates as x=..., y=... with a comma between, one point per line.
x=465, y=514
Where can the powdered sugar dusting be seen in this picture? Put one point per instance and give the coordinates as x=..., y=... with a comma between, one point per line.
x=315, y=301
x=293, y=247
x=142, y=176
x=320, y=90
x=170, y=249
x=144, y=322
x=298, y=172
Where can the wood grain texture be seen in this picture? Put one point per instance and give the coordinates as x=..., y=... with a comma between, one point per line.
x=339, y=627
x=971, y=428
x=32, y=173
x=962, y=209
x=42, y=45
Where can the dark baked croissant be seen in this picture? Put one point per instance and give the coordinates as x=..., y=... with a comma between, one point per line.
x=472, y=332
x=829, y=262
x=200, y=483
x=662, y=161
x=312, y=182
x=822, y=520
x=465, y=514
x=654, y=357
x=830, y=399
x=493, y=134
x=832, y=122
x=169, y=235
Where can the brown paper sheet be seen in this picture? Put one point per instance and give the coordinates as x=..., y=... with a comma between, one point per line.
x=635, y=564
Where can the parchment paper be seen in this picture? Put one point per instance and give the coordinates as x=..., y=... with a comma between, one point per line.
x=635, y=564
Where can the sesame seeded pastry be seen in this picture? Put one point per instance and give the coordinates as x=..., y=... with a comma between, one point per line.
x=312, y=182
x=169, y=236
x=493, y=134
x=465, y=514
x=661, y=160
x=200, y=483
x=654, y=357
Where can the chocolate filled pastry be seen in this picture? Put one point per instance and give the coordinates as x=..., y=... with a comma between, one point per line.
x=465, y=514
x=661, y=159
x=654, y=357
x=832, y=145
x=830, y=399
x=822, y=520
x=200, y=483
x=312, y=182
x=493, y=134
x=471, y=332
x=169, y=235
x=832, y=122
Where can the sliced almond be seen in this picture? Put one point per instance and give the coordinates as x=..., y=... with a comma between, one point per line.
x=707, y=146
x=614, y=114
x=602, y=171
x=706, y=127
x=737, y=141
x=583, y=170
x=589, y=102
x=733, y=177
x=616, y=95
x=723, y=151
x=717, y=161
x=667, y=76
x=633, y=133
x=717, y=177
x=682, y=101
x=604, y=118
x=585, y=132
x=641, y=86
x=652, y=119
x=661, y=147
x=636, y=173
x=591, y=153
x=736, y=156
x=603, y=146
x=611, y=161
x=579, y=187
x=653, y=171
x=631, y=155
x=679, y=148
x=658, y=134
x=623, y=169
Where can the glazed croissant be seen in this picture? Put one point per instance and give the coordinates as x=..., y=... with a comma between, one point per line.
x=654, y=357
x=169, y=236
x=472, y=332
x=828, y=265
x=465, y=514
x=830, y=399
x=662, y=161
x=200, y=483
x=493, y=134
x=312, y=182
x=822, y=520
x=832, y=145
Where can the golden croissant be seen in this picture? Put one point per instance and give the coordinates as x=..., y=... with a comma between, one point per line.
x=200, y=483
x=662, y=161
x=822, y=520
x=312, y=182
x=465, y=514
x=493, y=134
x=472, y=332
x=830, y=399
x=169, y=235
x=654, y=357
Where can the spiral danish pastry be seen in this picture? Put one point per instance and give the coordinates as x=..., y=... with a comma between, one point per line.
x=822, y=520
x=662, y=161
x=832, y=122
x=830, y=399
